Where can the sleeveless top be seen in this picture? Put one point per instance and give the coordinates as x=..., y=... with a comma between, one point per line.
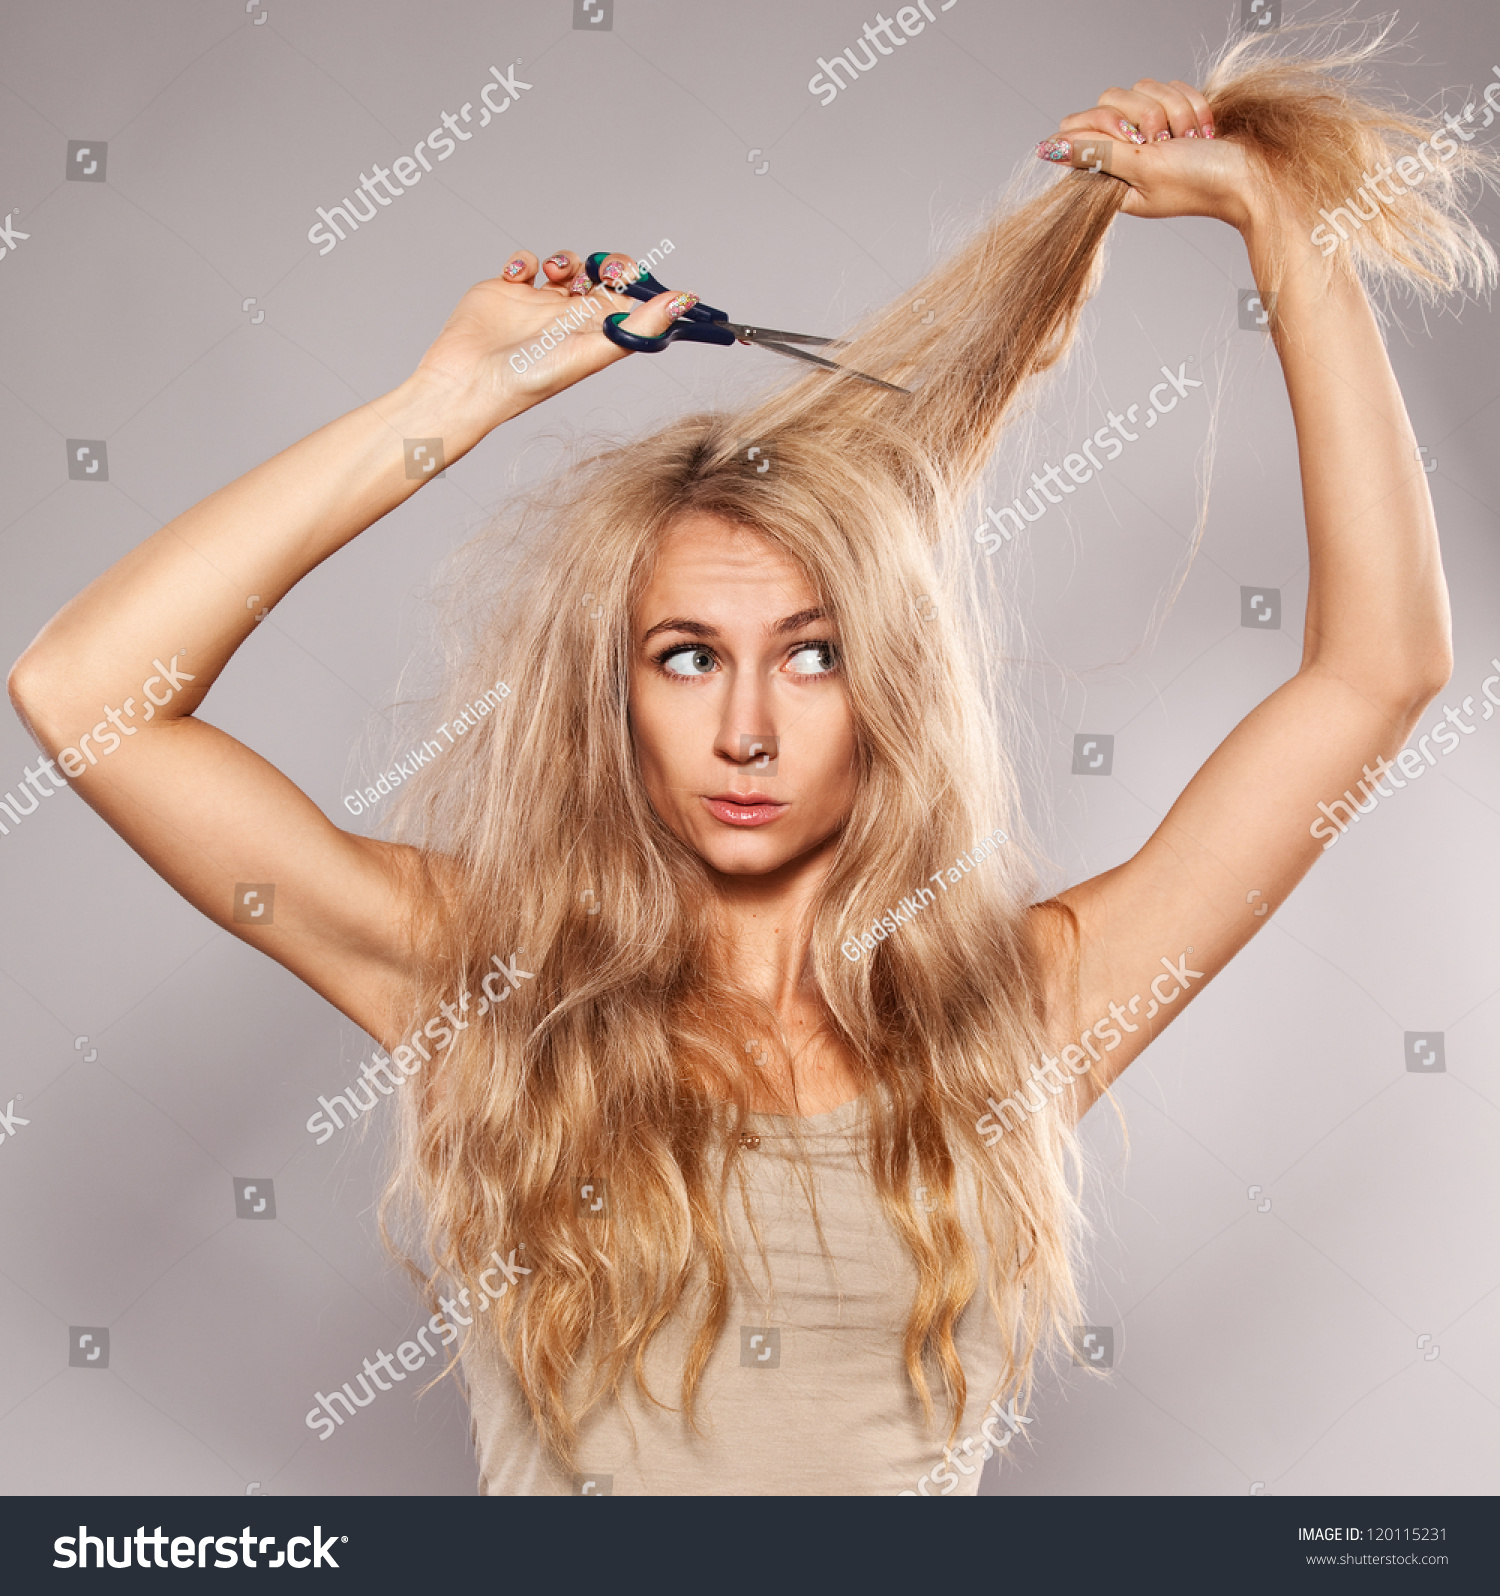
x=806, y=1392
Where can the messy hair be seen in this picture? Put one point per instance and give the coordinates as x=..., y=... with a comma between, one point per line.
x=624, y=1059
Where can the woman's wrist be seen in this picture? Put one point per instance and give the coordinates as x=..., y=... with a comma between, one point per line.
x=460, y=409
x=1267, y=220
x=1284, y=261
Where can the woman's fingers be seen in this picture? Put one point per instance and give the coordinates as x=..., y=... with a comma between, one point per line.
x=652, y=318
x=520, y=268
x=1205, y=117
x=1149, y=113
x=1087, y=138
x=617, y=271
x=1090, y=151
x=1137, y=117
x=1177, y=107
x=564, y=272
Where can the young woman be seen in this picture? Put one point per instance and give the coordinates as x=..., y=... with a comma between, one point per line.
x=710, y=955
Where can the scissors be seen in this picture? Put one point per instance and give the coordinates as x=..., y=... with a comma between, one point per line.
x=705, y=325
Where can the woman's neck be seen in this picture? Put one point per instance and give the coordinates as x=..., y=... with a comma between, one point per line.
x=766, y=927
x=767, y=931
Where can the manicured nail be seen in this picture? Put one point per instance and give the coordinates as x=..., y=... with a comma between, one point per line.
x=1054, y=149
x=1132, y=132
x=559, y=261
x=1166, y=134
x=1208, y=130
x=514, y=268
x=680, y=304
x=612, y=271
x=1191, y=133
x=580, y=284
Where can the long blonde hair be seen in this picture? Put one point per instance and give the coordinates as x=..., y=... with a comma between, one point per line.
x=623, y=1057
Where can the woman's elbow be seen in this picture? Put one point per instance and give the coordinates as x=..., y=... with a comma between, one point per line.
x=1427, y=675
x=34, y=691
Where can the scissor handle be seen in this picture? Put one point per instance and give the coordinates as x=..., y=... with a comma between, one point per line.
x=693, y=332
x=702, y=324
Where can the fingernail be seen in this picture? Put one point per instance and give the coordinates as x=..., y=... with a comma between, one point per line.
x=612, y=271
x=1054, y=149
x=1166, y=134
x=1132, y=132
x=580, y=284
x=514, y=268
x=1208, y=130
x=1191, y=133
x=681, y=304
x=559, y=261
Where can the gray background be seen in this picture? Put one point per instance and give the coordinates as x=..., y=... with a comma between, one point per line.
x=157, y=1059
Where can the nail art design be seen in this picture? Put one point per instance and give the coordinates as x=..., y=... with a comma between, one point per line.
x=1191, y=133
x=681, y=304
x=580, y=284
x=1132, y=132
x=560, y=261
x=514, y=268
x=1208, y=130
x=613, y=271
x=1054, y=149
x=1166, y=133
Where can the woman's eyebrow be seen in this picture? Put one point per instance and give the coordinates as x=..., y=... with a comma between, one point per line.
x=681, y=623
x=678, y=623
x=795, y=623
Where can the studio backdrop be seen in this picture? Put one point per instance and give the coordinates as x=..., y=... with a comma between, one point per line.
x=1293, y=1274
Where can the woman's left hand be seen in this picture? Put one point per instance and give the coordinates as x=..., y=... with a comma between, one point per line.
x=1159, y=138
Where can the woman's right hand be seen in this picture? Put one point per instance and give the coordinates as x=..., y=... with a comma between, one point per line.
x=505, y=316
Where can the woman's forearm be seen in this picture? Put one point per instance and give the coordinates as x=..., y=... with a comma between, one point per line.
x=1377, y=605
x=196, y=588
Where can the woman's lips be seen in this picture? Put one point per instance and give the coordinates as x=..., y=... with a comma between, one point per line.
x=752, y=809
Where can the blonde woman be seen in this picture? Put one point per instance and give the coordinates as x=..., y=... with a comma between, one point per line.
x=774, y=1110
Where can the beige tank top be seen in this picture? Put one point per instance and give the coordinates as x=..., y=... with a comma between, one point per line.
x=806, y=1392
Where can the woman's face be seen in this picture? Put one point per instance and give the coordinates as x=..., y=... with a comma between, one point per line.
x=741, y=721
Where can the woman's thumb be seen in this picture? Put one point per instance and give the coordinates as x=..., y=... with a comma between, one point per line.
x=652, y=318
x=1092, y=152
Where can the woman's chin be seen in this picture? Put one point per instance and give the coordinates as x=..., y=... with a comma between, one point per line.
x=744, y=855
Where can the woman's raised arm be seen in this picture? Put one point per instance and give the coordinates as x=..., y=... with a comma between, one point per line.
x=111, y=685
x=1376, y=646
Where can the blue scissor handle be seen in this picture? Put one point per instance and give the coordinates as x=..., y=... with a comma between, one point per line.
x=700, y=325
x=693, y=332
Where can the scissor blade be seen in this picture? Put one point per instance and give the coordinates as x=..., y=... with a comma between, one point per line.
x=755, y=335
x=828, y=365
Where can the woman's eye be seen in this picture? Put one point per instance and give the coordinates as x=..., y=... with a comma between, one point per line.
x=688, y=662
x=812, y=659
